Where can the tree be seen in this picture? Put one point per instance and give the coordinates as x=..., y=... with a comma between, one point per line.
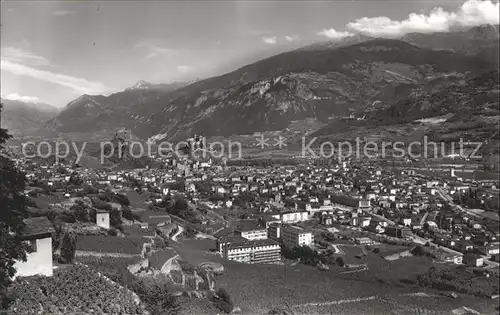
x=68, y=249
x=127, y=213
x=155, y=294
x=80, y=212
x=115, y=219
x=12, y=203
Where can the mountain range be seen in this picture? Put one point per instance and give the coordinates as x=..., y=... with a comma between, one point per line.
x=318, y=84
x=25, y=118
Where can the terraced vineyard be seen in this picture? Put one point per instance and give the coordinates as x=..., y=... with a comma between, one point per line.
x=73, y=290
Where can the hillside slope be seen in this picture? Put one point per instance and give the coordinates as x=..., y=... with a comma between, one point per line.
x=300, y=84
x=98, y=116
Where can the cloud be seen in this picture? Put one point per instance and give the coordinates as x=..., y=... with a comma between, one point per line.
x=153, y=51
x=183, y=69
x=24, y=56
x=80, y=85
x=269, y=40
x=63, y=13
x=293, y=38
x=25, y=99
x=471, y=13
x=333, y=34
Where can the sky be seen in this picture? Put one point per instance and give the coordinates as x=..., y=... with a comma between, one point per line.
x=55, y=51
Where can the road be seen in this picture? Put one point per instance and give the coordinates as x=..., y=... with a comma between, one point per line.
x=444, y=195
x=424, y=218
x=180, y=229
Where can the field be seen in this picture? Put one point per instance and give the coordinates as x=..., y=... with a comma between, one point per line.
x=110, y=244
x=259, y=288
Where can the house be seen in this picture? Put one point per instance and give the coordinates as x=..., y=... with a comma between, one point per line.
x=326, y=219
x=465, y=245
x=102, y=219
x=399, y=232
x=363, y=241
x=473, y=260
x=447, y=257
x=490, y=249
x=37, y=234
x=406, y=221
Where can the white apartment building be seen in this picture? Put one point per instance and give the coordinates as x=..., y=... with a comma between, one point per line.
x=293, y=236
x=292, y=217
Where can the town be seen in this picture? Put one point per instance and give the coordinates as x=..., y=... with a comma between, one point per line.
x=217, y=157
x=261, y=214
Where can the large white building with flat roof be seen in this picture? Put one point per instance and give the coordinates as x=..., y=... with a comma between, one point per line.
x=294, y=236
x=237, y=248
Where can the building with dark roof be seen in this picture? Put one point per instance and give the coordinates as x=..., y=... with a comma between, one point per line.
x=37, y=235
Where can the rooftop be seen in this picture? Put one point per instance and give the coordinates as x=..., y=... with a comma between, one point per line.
x=256, y=243
x=37, y=226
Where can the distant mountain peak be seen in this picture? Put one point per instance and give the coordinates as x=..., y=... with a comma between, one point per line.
x=140, y=85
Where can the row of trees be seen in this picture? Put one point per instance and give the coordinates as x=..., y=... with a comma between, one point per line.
x=309, y=256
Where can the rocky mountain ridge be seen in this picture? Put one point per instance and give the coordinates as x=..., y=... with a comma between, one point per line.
x=318, y=83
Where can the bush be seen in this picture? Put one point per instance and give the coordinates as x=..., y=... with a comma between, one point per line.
x=418, y=251
x=222, y=301
x=340, y=262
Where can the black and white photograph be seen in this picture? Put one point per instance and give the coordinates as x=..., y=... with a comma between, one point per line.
x=249, y=157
